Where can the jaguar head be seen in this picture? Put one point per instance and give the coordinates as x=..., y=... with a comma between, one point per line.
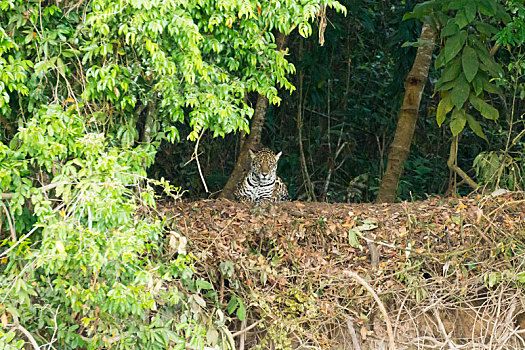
x=264, y=164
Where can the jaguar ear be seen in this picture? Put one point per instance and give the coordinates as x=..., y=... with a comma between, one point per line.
x=278, y=155
x=252, y=154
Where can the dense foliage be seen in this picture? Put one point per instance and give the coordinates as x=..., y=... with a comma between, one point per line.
x=99, y=97
x=87, y=92
x=351, y=93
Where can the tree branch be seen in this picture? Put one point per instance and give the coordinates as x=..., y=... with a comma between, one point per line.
x=367, y=286
x=452, y=164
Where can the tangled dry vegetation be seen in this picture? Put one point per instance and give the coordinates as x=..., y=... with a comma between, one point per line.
x=451, y=272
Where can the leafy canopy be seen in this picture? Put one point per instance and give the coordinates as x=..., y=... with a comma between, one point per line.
x=87, y=89
x=467, y=66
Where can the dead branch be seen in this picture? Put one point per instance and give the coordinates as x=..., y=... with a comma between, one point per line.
x=243, y=335
x=244, y=330
x=43, y=188
x=351, y=329
x=367, y=286
x=10, y=222
x=28, y=335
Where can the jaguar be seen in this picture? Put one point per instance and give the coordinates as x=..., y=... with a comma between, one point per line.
x=261, y=183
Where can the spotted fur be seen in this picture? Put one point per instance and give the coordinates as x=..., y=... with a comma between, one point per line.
x=262, y=183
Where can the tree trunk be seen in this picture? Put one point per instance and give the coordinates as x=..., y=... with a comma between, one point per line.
x=400, y=147
x=253, y=141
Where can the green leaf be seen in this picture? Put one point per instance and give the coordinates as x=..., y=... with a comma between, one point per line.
x=460, y=92
x=198, y=299
x=454, y=45
x=461, y=19
x=486, y=7
x=444, y=86
x=457, y=124
x=418, y=43
x=420, y=10
x=490, y=88
x=444, y=106
x=457, y=4
x=470, y=10
x=484, y=108
x=477, y=82
x=470, y=63
x=212, y=336
x=450, y=29
x=485, y=28
x=452, y=70
x=232, y=304
x=241, y=311
x=9, y=337
x=502, y=14
x=202, y=284
x=60, y=247
x=353, y=238
x=440, y=60
x=475, y=126
x=491, y=65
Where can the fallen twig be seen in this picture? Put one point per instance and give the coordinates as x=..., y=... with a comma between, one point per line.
x=379, y=303
x=242, y=331
x=243, y=336
x=351, y=329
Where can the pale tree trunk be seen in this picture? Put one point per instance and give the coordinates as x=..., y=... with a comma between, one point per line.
x=253, y=141
x=400, y=147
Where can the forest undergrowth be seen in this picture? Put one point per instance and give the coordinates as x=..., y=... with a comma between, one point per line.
x=450, y=271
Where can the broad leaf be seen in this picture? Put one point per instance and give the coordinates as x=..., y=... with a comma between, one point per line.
x=484, y=108
x=470, y=63
x=480, y=46
x=460, y=92
x=457, y=124
x=444, y=86
x=491, y=65
x=444, y=106
x=485, y=28
x=420, y=10
x=440, y=60
x=450, y=29
x=241, y=311
x=454, y=45
x=475, y=126
x=477, y=82
x=456, y=4
x=232, y=304
x=461, y=19
x=470, y=10
x=452, y=70
x=502, y=14
x=486, y=7
x=490, y=88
